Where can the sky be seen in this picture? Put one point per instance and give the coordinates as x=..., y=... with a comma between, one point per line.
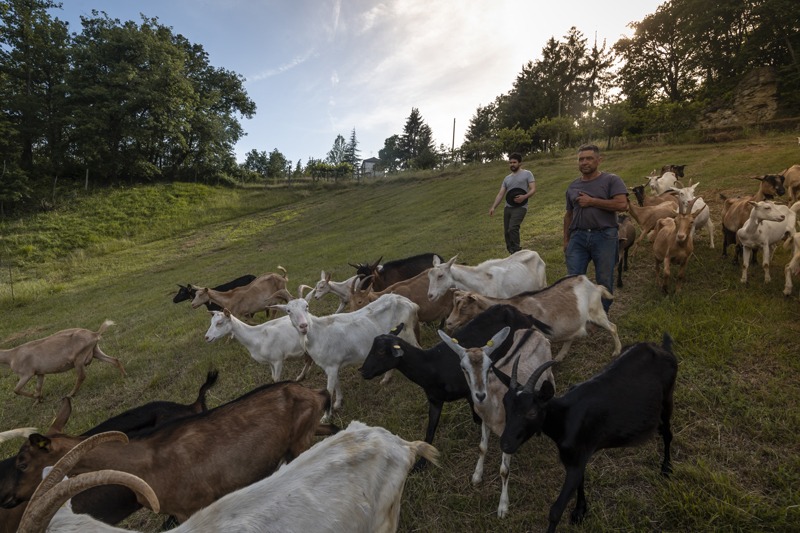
x=321, y=68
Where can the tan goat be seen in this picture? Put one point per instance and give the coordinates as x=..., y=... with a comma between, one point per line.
x=792, y=182
x=244, y=302
x=648, y=217
x=415, y=289
x=61, y=351
x=673, y=243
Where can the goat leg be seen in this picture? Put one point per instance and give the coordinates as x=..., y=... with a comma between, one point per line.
x=572, y=481
x=434, y=412
x=505, y=463
x=579, y=512
x=81, y=371
x=307, y=362
x=23, y=380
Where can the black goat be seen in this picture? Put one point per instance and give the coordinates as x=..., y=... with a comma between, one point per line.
x=438, y=369
x=186, y=292
x=393, y=271
x=621, y=406
x=111, y=503
x=677, y=169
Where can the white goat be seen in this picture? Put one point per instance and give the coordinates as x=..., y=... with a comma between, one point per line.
x=61, y=351
x=663, y=183
x=792, y=268
x=529, y=351
x=352, y=481
x=567, y=306
x=702, y=218
x=269, y=343
x=499, y=278
x=341, y=289
x=768, y=224
x=338, y=340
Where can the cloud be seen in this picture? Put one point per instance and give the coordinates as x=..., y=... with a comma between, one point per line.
x=293, y=63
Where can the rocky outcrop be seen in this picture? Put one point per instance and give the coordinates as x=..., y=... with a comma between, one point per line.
x=755, y=100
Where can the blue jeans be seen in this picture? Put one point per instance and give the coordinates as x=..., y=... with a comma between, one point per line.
x=601, y=248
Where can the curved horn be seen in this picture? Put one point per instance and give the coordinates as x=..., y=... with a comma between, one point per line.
x=14, y=433
x=303, y=287
x=48, y=504
x=284, y=294
x=514, y=385
x=62, y=468
x=536, y=375
x=65, y=464
x=284, y=272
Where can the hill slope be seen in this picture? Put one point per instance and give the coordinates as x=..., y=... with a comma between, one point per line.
x=735, y=449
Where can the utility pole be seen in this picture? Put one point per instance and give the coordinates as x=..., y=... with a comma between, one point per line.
x=453, y=146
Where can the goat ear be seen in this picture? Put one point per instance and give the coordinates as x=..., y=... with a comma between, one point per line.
x=495, y=342
x=39, y=442
x=436, y=261
x=452, y=344
x=58, y=423
x=397, y=350
x=546, y=391
x=504, y=378
x=226, y=312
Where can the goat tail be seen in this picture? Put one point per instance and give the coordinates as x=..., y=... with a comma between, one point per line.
x=428, y=451
x=104, y=326
x=605, y=293
x=666, y=342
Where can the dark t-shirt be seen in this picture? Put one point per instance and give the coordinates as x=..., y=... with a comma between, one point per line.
x=604, y=186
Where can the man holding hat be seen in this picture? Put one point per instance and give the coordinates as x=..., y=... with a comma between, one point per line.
x=517, y=187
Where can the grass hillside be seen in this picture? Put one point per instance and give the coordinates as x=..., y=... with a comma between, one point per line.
x=119, y=255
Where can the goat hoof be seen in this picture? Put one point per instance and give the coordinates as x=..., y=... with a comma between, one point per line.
x=577, y=515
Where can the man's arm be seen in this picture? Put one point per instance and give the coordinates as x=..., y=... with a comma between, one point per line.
x=497, y=200
x=618, y=202
x=567, y=222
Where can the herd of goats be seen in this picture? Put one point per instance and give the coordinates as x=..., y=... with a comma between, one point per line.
x=500, y=318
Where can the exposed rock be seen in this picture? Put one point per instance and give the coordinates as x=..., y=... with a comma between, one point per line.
x=755, y=100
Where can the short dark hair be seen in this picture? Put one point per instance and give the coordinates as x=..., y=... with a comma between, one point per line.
x=515, y=156
x=587, y=147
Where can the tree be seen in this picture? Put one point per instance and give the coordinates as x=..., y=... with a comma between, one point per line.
x=276, y=168
x=338, y=152
x=257, y=162
x=391, y=155
x=660, y=62
x=480, y=139
x=351, y=151
x=416, y=144
x=33, y=61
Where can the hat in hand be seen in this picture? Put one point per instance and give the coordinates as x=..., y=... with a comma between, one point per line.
x=511, y=194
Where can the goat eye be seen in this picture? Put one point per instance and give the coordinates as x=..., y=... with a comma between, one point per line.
x=22, y=467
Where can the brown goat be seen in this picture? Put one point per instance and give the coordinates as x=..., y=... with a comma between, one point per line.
x=648, y=217
x=193, y=461
x=736, y=211
x=673, y=243
x=415, y=289
x=61, y=351
x=244, y=302
x=792, y=182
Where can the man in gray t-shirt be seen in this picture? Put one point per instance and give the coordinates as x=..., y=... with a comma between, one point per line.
x=590, y=221
x=523, y=184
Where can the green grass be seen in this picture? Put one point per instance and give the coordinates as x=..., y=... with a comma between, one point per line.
x=119, y=254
